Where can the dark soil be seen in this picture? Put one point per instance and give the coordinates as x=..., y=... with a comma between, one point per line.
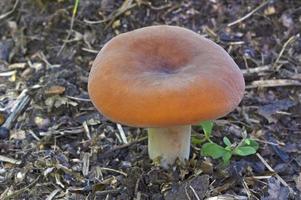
x=60, y=147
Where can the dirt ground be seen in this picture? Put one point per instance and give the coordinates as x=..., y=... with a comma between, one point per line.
x=55, y=145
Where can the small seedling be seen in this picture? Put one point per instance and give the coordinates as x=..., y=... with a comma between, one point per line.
x=207, y=127
x=246, y=147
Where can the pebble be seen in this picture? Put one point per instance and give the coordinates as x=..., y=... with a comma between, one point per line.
x=4, y=133
x=5, y=48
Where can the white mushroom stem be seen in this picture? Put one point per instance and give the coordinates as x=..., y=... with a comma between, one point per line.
x=169, y=143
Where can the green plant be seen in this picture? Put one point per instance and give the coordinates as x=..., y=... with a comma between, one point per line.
x=246, y=147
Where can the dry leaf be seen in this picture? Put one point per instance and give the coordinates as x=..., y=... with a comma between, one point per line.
x=270, y=10
x=2, y=118
x=298, y=182
x=17, y=134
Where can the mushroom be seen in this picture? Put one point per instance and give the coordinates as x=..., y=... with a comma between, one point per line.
x=164, y=78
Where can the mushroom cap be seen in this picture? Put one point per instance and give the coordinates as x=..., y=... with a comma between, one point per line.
x=161, y=76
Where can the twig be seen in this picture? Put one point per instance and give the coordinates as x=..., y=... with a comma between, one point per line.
x=259, y=177
x=249, y=14
x=186, y=192
x=90, y=50
x=194, y=192
x=122, y=146
x=137, y=193
x=21, y=102
x=227, y=197
x=75, y=130
x=34, y=135
x=247, y=189
x=274, y=83
x=53, y=194
x=256, y=70
x=42, y=56
x=11, y=11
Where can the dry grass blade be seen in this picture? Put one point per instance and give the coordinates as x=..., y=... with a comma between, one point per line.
x=249, y=14
x=290, y=40
x=272, y=170
x=53, y=194
x=8, y=73
x=18, y=192
x=71, y=26
x=274, y=83
x=11, y=11
x=78, y=99
x=114, y=170
x=122, y=134
x=194, y=192
x=128, y=4
x=86, y=164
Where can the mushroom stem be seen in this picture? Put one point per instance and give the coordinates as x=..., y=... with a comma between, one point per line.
x=169, y=143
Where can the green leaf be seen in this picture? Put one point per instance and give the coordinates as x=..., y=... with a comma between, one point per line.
x=251, y=143
x=207, y=127
x=213, y=150
x=227, y=141
x=244, y=150
x=226, y=157
x=196, y=140
x=247, y=141
x=75, y=8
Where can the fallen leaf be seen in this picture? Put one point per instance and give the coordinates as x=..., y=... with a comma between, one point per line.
x=267, y=111
x=2, y=118
x=276, y=191
x=298, y=182
x=17, y=134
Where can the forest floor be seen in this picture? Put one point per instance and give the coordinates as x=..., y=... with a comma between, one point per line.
x=59, y=147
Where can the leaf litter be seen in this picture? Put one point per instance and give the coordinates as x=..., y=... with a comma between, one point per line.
x=57, y=146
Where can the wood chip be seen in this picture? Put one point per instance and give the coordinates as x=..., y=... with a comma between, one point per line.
x=53, y=194
x=56, y=89
x=17, y=66
x=9, y=160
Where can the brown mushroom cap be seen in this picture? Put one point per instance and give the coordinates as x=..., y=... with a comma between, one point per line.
x=161, y=76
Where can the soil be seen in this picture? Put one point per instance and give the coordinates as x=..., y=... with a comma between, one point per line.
x=55, y=145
